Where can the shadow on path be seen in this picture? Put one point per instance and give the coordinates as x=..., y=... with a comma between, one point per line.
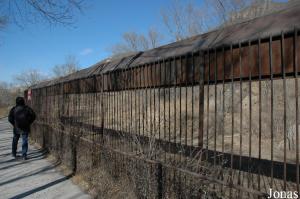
x=30, y=174
x=35, y=190
x=35, y=155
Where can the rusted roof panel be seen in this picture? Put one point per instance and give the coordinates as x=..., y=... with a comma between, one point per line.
x=283, y=20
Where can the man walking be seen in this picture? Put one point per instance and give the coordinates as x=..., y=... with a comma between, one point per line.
x=21, y=117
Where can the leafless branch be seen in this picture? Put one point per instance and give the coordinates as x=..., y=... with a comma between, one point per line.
x=54, y=12
x=71, y=65
x=29, y=78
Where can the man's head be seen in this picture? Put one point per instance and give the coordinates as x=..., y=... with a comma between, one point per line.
x=20, y=101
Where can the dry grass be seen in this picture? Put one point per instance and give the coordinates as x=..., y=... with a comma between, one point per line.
x=4, y=111
x=170, y=113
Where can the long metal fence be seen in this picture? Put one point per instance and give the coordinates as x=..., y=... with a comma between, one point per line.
x=229, y=114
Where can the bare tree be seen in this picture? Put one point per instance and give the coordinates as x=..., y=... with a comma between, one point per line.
x=71, y=65
x=29, y=78
x=32, y=11
x=234, y=11
x=154, y=38
x=5, y=95
x=183, y=20
x=134, y=42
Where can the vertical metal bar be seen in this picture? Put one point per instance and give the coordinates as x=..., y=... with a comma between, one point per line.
x=113, y=93
x=114, y=101
x=147, y=101
x=250, y=109
x=165, y=77
x=175, y=100
x=260, y=110
x=223, y=104
x=144, y=98
x=297, y=105
x=127, y=112
x=272, y=108
x=232, y=118
x=186, y=99
x=180, y=124
x=154, y=99
x=94, y=107
x=102, y=108
x=140, y=92
x=207, y=104
x=241, y=110
x=124, y=111
x=131, y=104
x=193, y=81
x=201, y=99
x=159, y=103
x=110, y=101
x=79, y=129
x=284, y=105
x=150, y=100
x=169, y=102
x=135, y=85
x=215, y=117
x=106, y=92
x=116, y=116
x=121, y=107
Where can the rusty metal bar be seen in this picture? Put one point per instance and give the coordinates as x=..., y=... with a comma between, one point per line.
x=159, y=103
x=143, y=98
x=180, y=109
x=135, y=75
x=175, y=108
x=250, y=65
x=207, y=103
x=284, y=105
x=215, y=94
x=193, y=80
x=223, y=105
x=165, y=77
x=150, y=99
x=232, y=118
x=140, y=92
x=297, y=105
x=169, y=102
x=241, y=111
x=272, y=109
x=186, y=99
x=131, y=104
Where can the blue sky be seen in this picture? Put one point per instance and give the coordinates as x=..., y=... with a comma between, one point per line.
x=41, y=47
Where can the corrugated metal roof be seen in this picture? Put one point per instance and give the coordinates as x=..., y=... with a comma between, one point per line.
x=275, y=23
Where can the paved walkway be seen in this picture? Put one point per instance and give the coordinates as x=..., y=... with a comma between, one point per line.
x=33, y=178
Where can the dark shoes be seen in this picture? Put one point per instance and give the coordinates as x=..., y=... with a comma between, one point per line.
x=15, y=156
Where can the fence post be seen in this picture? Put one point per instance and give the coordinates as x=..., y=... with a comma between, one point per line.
x=159, y=177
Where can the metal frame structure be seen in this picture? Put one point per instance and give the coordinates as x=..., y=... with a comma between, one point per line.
x=209, y=112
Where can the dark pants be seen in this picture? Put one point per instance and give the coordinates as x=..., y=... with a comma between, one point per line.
x=17, y=134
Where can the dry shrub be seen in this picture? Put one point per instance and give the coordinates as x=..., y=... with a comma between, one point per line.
x=103, y=185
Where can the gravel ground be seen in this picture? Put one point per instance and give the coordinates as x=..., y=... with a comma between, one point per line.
x=32, y=178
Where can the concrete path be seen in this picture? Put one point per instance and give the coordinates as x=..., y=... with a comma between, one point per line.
x=33, y=178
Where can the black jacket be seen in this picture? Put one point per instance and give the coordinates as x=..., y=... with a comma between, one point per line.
x=31, y=117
